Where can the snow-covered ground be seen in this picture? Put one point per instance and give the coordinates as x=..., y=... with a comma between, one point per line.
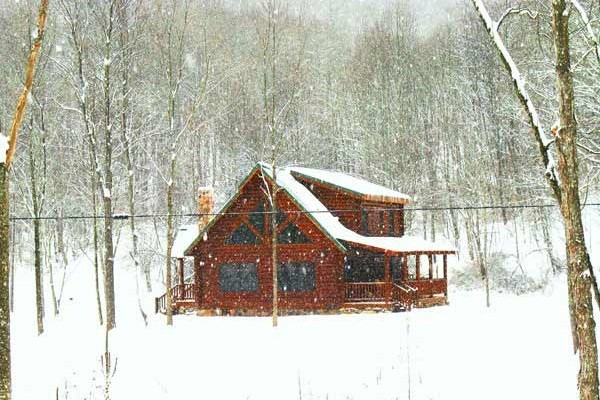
x=520, y=348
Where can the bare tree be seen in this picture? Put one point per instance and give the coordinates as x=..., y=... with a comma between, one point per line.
x=563, y=181
x=277, y=103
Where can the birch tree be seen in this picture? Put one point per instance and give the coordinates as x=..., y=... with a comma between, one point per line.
x=563, y=180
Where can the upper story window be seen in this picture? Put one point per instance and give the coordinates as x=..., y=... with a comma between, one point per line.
x=243, y=235
x=257, y=218
x=381, y=222
x=291, y=234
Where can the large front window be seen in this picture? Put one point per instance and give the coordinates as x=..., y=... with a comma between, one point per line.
x=238, y=277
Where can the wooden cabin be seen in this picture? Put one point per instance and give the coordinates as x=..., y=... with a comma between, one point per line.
x=341, y=246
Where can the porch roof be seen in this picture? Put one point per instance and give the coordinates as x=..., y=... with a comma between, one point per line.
x=404, y=245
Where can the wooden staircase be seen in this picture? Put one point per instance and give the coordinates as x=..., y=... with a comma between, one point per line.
x=182, y=296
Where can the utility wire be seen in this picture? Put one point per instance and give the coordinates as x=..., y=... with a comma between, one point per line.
x=340, y=211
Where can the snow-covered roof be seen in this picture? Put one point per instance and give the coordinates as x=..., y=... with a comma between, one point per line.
x=184, y=237
x=351, y=184
x=331, y=225
x=327, y=222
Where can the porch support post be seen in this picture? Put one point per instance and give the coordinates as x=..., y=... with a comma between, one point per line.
x=446, y=275
x=404, y=267
x=388, y=286
x=418, y=267
x=196, y=281
x=430, y=256
x=181, y=278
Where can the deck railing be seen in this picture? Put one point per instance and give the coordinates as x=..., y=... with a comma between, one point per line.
x=394, y=293
x=366, y=291
x=430, y=287
x=179, y=293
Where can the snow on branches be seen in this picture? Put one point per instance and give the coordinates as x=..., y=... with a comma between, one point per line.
x=542, y=138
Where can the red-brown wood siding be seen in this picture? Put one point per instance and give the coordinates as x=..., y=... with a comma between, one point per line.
x=352, y=206
x=210, y=254
x=337, y=200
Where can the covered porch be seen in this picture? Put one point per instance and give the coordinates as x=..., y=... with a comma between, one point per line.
x=396, y=279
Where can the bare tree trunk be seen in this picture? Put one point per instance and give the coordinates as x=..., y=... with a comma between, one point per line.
x=125, y=132
x=96, y=250
x=5, y=374
x=11, y=141
x=564, y=186
x=274, y=214
x=579, y=266
x=50, y=265
x=109, y=260
x=12, y=270
x=37, y=258
x=168, y=278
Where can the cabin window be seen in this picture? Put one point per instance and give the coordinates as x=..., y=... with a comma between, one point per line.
x=257, y=218
x=238, y=277
x=392, y=225
x=291, y=234
x=296, y=277
x=375, y=222
x=243, y=235
x=279, y=217
x=365, y=266
x=396, y=268
x=364, y=222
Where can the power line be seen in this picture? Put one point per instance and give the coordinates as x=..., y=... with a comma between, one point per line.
x=336, y=211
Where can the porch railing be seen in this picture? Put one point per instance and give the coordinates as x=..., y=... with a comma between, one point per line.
x=430, y=287
x=366, y=291
x=404, y=295
x=389, y=292
x=179, y=293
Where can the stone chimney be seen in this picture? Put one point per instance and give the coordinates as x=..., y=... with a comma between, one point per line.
x=206, y=206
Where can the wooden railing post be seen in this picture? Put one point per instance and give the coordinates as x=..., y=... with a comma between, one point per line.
x=446, y=275
x=388, y=287
x=430, y=256
x=418, y=267
x=181, y=277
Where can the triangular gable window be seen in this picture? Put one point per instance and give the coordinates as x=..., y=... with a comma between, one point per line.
x=257, y=218
x=291, y=234
x=243, y=235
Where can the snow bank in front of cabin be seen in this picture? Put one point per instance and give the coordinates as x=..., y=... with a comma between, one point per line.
x=519, y=348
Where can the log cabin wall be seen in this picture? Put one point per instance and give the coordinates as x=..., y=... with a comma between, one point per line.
x=368, y=218
x=320, y=252
x=335, y=199
x=382, y=219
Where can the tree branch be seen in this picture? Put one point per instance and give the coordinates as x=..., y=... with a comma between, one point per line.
x=29, y=73
x=542, y=139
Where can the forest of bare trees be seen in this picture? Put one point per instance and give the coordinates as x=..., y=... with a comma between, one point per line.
x=137, y=103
